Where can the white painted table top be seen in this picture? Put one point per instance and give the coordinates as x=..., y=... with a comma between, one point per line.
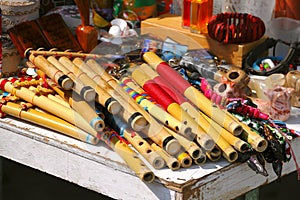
x=100, y=169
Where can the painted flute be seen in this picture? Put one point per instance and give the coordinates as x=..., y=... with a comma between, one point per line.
x=157, y=112
x=135, y=119
x=47, y=120
x=172, y=107
x=222, y=117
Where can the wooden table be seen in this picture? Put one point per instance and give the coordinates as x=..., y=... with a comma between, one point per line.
x=99, y=169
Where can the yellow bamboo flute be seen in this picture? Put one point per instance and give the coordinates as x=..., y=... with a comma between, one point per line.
x=81, y=106
x=127, y=154
x=52, y=72
x=48, y=105
x=49, y=121
x=87, y=92
x=254, y=139
x=176, y=111
x=154, y=130
x=171, y=161
x=103, y=98
x=215, y=154
x=222, y=117
x=191, y=147
x=236, y=142
x=144, y=148
x=184, y=158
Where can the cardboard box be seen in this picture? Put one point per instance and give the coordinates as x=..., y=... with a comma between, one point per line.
x=169, y=25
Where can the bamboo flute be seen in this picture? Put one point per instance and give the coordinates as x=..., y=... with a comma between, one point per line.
x=134, y=138
x=103, y=97
x=191, y=147
x=154, y=130
x=48, y=105
x=81, y=106
x=159, y=113
x=58, y=99
x=257, y=142
x=47, y=120
x=215, y=154
x=135, y=119
x=236, y=142
x=170, y=105
x=201, y=160
x=132, y=159
x=52, y=72
x=222, y=117
x=87, y=92
x=68, y=54
x=171, y=161
x=184, y=158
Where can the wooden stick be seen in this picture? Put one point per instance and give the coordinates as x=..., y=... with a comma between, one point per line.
x=87, y=92
x=127, y=154
x=52, y=72
x=48, y=105
x=222, y=117
x=81, y=106
x=103, y=97
x=68, y=54
x=47, y=120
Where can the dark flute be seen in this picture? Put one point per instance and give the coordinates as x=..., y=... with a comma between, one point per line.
x=136, y=120
x=215, y=154
x=81, y=106
x=87, y=92
x=49, y=105
x=103, y=97
x=52, y=72
x=49, y=121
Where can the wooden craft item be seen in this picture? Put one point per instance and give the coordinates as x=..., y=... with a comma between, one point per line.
x=184, y=159
x=49, y=121
x=87, y=35
x=215, y=154
x=222, y=117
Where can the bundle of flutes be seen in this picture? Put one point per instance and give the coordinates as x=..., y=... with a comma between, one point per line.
x=152, y=110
